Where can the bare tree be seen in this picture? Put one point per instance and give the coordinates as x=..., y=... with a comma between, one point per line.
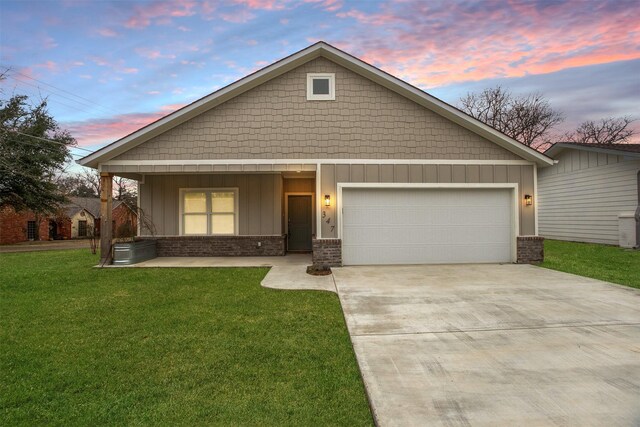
x=125, y=190
x=610, y=130
x=90, y=179
x=528, y=119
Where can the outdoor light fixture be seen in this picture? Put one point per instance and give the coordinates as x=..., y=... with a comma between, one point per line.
x=528, y=200
x=327, y=200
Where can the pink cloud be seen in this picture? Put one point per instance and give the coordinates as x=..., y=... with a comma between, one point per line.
x=238, y=17
x=101, y=131
x=48, y=65
x=262, y=4
x=160, y=12
x=49, y=43
x=153, y=54
x=107, y=32
x=438, y=43
x=328, y=5
x=115, y=65
x=208, y=7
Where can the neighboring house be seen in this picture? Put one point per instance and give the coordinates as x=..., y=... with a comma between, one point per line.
x=323, y=152
x=75, y=220
x=22, y=226
x=82, y=220
x=122, y=214
x=582, y=196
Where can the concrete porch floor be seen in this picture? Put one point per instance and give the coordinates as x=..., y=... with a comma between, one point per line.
x=287, y=272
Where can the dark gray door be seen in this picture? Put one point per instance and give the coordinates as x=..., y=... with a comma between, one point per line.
x=299, y=236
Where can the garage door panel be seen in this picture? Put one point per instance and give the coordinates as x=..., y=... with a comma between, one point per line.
x=436, y=215
x=419, y=234
x=424, y=254
x=406, y=226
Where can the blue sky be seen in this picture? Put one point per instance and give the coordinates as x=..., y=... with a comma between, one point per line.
x=110, y=67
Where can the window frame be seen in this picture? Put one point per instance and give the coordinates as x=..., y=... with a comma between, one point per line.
x=31, y=229
x=209, y=213
x=321, y=97
x=81, y=223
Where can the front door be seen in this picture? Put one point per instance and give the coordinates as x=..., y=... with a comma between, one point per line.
x=299, y=223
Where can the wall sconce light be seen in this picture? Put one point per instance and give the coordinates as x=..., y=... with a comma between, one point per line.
x=327, y=200
x=528, y=200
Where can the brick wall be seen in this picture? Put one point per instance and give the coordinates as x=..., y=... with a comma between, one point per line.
x=184, y=246
x=13, y=226
x=530, y=249
x=327, y=252
x=123, y=215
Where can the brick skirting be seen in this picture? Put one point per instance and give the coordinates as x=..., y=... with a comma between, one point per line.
x=530, y=249
x=327, y=253
x=185, y=246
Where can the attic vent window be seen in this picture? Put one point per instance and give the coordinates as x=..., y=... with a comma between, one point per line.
x=321, y=87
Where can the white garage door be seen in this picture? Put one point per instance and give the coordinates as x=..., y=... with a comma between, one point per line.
x=426, y=226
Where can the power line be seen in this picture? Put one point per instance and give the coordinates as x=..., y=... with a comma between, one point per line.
x=44, y=147
x=53, y=142
x=53, y=94
x=63, y=90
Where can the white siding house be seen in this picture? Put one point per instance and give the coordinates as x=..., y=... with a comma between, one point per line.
x=582, y=196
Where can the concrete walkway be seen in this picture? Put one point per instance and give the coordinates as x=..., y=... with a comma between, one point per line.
x=459, y=345
x=287, y=272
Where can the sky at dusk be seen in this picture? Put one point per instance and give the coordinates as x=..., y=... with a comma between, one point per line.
x=110, y=67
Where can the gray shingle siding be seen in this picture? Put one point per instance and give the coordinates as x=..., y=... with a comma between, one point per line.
x=274, y=120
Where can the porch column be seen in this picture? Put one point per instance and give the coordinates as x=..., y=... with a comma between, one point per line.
x=106, y=205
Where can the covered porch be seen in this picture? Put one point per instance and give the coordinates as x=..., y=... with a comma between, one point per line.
x=220, y=209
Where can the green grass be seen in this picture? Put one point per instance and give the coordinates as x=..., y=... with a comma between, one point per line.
x=86, y=346
x=608, y=263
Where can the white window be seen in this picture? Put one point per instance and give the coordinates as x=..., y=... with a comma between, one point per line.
x=321, y=86
x=209, y=211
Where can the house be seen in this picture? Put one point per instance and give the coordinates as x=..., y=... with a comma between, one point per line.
x=22, y=226
x=592, y=194
x=122, y=214
x=74, y=220
x=82, y=220
x=321, y=152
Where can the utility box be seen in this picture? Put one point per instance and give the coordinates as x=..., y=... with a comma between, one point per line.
x=627, y=229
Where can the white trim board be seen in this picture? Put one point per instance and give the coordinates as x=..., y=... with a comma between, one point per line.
x=284, y=65
x=515, y=218
x=314, y=162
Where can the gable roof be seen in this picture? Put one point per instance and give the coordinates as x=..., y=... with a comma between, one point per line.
x=77, y=204
x=293, y=61
x=630, y=150
x=89, y=204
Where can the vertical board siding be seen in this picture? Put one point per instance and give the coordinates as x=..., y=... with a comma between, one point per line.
x=582, y=196
x=403, y=173
x=259, y=204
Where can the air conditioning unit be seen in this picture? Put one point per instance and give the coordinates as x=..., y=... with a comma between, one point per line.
x=627, y=229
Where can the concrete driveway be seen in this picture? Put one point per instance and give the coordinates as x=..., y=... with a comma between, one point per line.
x=457, y=345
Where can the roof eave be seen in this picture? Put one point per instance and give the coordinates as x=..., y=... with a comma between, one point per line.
x=557, y=148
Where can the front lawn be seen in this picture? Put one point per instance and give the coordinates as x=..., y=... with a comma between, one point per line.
x=608, y=263
x=86, y=346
